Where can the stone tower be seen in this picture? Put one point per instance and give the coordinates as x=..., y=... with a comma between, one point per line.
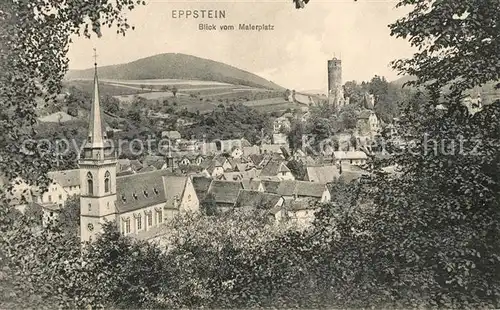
x=97, y=174
x=335, y=90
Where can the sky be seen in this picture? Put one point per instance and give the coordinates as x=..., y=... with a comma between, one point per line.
x=293, y=55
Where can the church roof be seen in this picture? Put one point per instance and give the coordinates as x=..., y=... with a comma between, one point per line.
x=96, y=135
x=141, y=190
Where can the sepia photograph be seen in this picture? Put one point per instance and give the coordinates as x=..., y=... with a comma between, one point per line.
x=249, y=154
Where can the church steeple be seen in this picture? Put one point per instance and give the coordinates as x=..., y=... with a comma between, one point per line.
x=97, y=174
x=96, y=135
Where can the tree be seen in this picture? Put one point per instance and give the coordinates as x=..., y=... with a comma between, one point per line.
x=287, y=94
x=295, y=136
x=111, y=104
x=33, y=66
x=297, y=168
x=209, y=205
x=348, y=117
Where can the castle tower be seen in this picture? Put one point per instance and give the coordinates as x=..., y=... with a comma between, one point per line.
x=97, y=174
x=335, y=89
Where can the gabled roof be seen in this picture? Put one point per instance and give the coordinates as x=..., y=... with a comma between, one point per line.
x=225, y=191
x=256, y=199
x=201, y=186
x=136, y=165
x=301, y=188
x=66, y=178
x=322, y=174
x=256, y=158
x=174, y=187
x=273, y=168
x=250, y=184
x=350, y=155
x=251, y=150
x=123, y=164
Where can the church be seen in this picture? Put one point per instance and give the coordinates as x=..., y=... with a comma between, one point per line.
x=138, y=203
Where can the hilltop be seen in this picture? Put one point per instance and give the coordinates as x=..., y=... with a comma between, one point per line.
x=177, y=66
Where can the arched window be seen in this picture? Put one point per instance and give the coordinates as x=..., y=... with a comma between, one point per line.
x=90, y=183
x=107, y=182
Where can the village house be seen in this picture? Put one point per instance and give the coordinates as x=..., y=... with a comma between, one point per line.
x=277, y=170
x=322, y=174
x=368, y=123
x=301, y=212
x=225, y=193
x=293, y=189
x=358, y=158
x=256, y=200
x=68, y=179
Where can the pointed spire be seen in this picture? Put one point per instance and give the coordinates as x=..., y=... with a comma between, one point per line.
x=95, y=135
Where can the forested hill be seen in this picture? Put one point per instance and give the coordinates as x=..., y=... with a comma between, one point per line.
x=177, y=66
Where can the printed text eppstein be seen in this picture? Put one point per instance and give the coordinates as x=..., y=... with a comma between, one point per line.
x=187, y=14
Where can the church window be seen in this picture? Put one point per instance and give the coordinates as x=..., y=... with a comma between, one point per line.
x=135, y=196
x=139, y=222
x=107, y=205
x=90, y=183
x=145, y=193
x=149, y=218
x=155, y=190
x=107, y=184
x=50, y=198
x=159, y=216
x=60, y=197
x=90, y=207
x=127, y=226
x=124, y=198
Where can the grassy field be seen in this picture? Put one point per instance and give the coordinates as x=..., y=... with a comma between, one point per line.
x=195, y=95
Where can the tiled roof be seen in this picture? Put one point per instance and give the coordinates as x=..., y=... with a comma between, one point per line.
x=201, y=186
x=350, y=155
x=251, y=150
x=123, y=164
x=135, y=165
x=250, y=184
x=225, y=191
x=322, y=174
x=256, y=199
x=174, y=188
x=256, y=159
x=272, y=148
x=66, y=178
x=301, y=189
x=271, y=186
x=273, y=168
x=140, y=190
